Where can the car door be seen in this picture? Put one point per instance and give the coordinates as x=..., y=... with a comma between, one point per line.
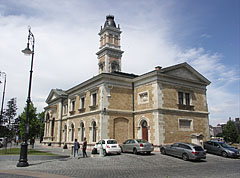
x=172, y=150
x=209, y=146
x=181, y=149
x=99, y=145
x=216, y=148
x=126, y=146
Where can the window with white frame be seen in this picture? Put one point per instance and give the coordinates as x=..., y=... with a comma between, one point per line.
x=82, y=102
x=184, y=98
x=143, y=97
x=185, y=124
x=72, y=105
x=94, y=99
x=65, y=109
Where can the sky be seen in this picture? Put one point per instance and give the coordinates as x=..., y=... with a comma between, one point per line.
x=205, y=34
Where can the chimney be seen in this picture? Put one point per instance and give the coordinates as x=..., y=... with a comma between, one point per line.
x=158, y=67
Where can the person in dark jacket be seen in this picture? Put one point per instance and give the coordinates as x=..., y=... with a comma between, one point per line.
x=84, y=147
x=76, y=147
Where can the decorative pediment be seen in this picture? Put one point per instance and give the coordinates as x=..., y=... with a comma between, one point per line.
x=55, y=94
x=185, y=71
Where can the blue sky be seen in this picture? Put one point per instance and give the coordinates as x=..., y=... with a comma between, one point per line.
x=203, y=33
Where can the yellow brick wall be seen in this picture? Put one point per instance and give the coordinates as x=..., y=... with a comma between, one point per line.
x=170, y=97
x=141, y=89
x=173, y=134
x=121, y=99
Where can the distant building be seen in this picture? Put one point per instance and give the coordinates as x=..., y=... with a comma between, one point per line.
x=164, y=105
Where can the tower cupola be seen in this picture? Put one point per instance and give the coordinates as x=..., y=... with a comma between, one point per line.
x=109, y=54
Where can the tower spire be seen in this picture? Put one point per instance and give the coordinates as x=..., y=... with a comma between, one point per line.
x=109, y=54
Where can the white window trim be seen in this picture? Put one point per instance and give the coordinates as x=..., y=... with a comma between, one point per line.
x=139, y=97
x=92, y=93
x=185, y=129
x=80, y=100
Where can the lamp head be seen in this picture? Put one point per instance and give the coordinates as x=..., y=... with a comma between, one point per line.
x=27, y=51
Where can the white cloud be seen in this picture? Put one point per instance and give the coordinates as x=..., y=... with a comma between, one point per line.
x=67, y=40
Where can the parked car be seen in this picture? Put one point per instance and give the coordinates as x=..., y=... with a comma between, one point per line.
x=137, y=146
x=221, y=148
x=110, y=146
x=186, y=151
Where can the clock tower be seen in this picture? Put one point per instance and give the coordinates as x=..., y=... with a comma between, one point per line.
x=109, y=54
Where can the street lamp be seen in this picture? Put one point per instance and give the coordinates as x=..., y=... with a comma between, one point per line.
x=5, y=79
x=23, y=162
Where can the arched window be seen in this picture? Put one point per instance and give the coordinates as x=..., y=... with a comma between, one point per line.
x=72, y=136
x=53, y=124
x=65, y=133
x=94, y=131
x=82, y=131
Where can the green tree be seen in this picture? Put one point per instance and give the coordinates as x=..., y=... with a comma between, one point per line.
x=41, y=119
x=34, y=122
x=230, y=132
x=9, y=117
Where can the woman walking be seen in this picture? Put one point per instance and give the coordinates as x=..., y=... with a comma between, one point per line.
x=84, y=147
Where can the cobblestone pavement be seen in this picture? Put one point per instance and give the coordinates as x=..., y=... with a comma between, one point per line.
x=128, y=166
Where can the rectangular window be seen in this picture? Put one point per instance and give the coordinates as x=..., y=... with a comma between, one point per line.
x=94, y=99
x=82, y=103
x=180, y=98
x=187, y=98
x=65, y=109
x=185, y=124
x=73, y=105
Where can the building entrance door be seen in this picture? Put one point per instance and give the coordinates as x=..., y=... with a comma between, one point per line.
x=144, y=131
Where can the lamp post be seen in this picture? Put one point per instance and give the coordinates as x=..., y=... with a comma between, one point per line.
x=23, y=162
x=4, y=87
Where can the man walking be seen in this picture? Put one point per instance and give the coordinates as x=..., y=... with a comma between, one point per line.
x=76, y=147
x=84, y=147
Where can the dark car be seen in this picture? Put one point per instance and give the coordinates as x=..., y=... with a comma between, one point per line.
x=186, y=151
x=221, y=148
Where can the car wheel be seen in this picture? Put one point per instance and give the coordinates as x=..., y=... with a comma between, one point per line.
x=185, y=157
x=104, y=152
x=224, y=154
x=121, y=149
x=134, y=151
x=119, y=153
x=148, y=152
x=163, y=151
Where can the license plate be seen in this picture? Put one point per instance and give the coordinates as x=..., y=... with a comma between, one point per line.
x=114, y=146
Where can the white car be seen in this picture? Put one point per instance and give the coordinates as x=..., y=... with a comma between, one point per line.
x=109, y=146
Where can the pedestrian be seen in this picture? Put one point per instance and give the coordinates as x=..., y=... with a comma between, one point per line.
x=84, y=147
x=76, y=147
x=32, y=141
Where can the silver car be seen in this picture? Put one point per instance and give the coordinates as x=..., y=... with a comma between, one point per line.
x=137, y=146
x=187, y=151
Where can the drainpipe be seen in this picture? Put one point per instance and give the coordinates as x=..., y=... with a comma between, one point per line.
x=133, y=111
x=61, y=115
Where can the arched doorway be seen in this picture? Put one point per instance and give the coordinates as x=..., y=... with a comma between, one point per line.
x=144, y=130
x=65, y=133
x=120, y=132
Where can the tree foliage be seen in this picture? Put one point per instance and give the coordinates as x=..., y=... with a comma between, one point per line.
x=34, y=122
x=230, y=132
x=9, y=126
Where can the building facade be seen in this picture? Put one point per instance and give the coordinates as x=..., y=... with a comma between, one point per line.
x=163, y=106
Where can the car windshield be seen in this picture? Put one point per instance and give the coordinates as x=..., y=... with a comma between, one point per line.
x=141, y=141
x=224, y=145
x=112, y=142
x=198, y=148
